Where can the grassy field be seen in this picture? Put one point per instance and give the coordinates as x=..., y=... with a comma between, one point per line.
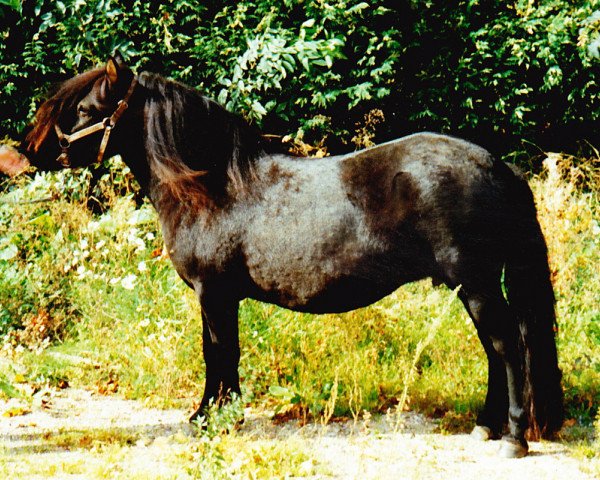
x=90, y=300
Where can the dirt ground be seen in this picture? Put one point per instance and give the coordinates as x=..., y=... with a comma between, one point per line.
x=370, y=448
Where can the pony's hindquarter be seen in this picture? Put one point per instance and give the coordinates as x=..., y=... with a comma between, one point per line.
x=478, y=217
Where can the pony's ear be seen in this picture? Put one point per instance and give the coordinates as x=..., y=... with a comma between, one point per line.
x=112, y=71
x=115, y=67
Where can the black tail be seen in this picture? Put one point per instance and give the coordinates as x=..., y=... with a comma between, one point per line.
x=530, y=294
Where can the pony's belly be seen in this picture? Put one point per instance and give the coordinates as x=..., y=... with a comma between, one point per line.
x=337, y=295
x=339, y=281
x=342, y=300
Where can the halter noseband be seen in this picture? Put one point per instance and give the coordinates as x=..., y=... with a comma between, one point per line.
x=107, y=124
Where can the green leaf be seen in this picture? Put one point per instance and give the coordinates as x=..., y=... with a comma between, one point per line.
x=308, y=23
x=44, y=220
x=8, y=389
x=594, y=48
x=14, y=4
x=258, y=108
x=281, y=392
x=358, y=7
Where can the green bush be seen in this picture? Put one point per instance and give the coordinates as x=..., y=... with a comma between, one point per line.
x=495, y=72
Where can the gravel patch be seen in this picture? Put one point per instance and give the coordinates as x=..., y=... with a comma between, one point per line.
x=378, y=447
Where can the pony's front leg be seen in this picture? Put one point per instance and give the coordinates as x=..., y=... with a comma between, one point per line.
x=221, y=349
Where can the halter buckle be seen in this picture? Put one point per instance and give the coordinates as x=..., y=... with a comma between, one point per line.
x=64, y=143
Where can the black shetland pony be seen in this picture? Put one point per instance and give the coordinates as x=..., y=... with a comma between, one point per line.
x=324, y=235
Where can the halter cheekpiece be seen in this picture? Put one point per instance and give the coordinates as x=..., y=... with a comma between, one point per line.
x=107, y=124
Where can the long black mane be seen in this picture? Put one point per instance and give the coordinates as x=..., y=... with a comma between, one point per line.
x=192, y=141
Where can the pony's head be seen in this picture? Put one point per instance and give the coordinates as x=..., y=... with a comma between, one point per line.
x=166, y=131
x=73, y=127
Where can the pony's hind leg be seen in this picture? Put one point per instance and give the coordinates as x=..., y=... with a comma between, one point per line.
x=498, y=328
x=491, y=420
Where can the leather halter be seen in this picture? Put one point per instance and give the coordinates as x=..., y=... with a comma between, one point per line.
x=107, y=124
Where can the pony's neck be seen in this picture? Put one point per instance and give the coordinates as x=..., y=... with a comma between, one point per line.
x=194, y=151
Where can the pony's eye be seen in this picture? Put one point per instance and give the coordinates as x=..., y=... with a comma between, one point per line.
x=81, y=110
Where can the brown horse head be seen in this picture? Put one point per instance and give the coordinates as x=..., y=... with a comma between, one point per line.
x=64, y=123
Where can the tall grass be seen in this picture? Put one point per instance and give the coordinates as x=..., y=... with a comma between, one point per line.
x=91, y=300
x=568, y=202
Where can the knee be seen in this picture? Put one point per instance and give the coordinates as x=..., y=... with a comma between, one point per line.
x=499, y=346
x=491, y=315
x=476, y=307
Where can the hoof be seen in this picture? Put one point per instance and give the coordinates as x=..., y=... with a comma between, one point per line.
x=481, y=433
x=199, y=421
x=197, y=416
x=511, y=448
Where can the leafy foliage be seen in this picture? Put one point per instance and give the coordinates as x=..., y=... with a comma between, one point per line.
x=494, y=72
x=14, y=4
